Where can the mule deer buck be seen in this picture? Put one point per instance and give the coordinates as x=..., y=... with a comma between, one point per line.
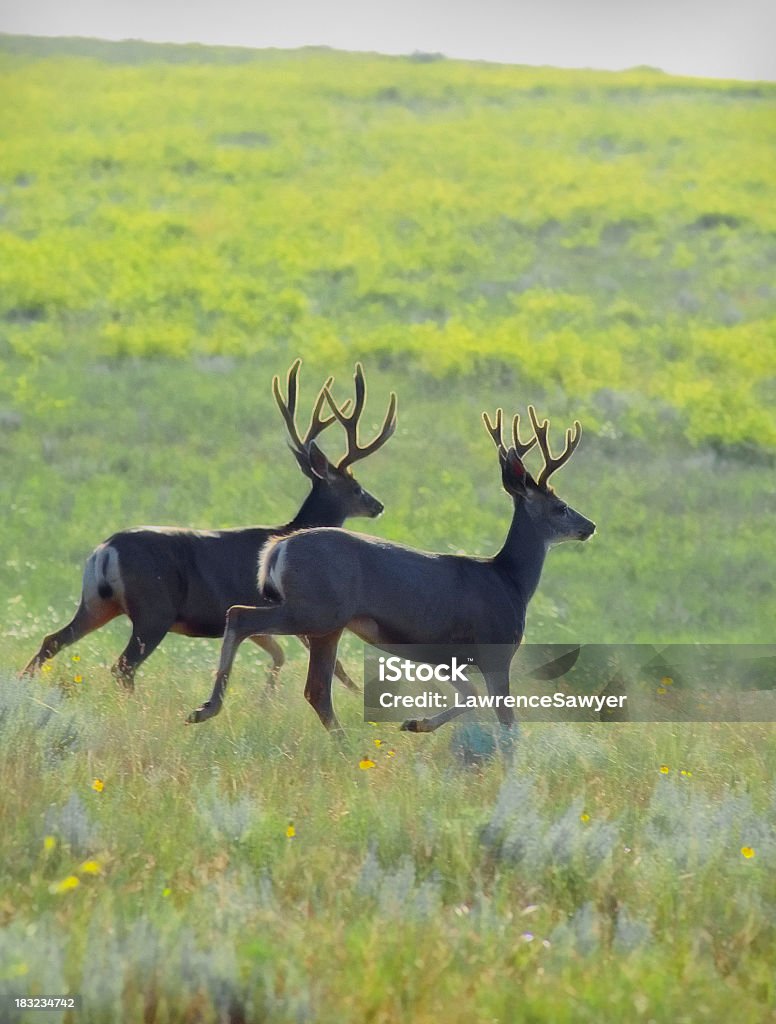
x=184, y=581
x=323, y=581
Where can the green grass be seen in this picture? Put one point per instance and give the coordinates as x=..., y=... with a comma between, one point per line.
x=407, y=887
x=176, y=225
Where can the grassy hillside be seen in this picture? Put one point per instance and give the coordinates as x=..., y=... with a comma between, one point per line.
x=598, y=231
x=176, y=225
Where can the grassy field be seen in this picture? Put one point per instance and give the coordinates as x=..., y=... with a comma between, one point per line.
x=176, y=225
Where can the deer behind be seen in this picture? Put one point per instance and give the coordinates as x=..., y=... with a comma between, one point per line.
x=326, y=580
x=184, y=581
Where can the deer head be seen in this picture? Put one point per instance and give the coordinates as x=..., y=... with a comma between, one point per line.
x=335, y=483
x=554, y=519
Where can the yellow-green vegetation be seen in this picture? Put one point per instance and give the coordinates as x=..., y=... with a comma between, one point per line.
x=597, y=229
x=177, y=224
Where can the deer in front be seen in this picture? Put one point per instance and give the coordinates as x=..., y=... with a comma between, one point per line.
x=326, y=580
x=184, y=581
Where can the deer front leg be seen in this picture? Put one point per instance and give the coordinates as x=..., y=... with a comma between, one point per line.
x=241, y=622
x=433, y=723
x=498, y=686
x=497, y=682
x=465, y=688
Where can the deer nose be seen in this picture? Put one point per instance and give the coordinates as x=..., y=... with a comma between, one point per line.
x=379, y=508
x=587, y=532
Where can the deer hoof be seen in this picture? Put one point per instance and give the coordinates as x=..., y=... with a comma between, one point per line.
x=202, y=714
x=414, y=725
x=124, y=679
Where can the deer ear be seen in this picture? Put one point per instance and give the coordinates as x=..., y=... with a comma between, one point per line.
x=303, y=460
x=312, y=462
x=514, y=474
x=319, y=464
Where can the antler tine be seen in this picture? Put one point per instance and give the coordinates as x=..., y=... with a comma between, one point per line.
x=319, y=423
x=385, y=432
x=521, y=447
x=355, y=452
x=551, y=463
x=360, y=383
x=494, y=429
x=288, y=408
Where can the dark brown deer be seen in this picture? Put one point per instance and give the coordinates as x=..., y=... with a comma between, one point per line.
x=326, y=580
x=184, y=581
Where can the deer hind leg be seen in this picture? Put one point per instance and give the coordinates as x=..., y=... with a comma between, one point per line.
x=317, y=691
x=275, y=651
x=143, y=642
x=86, y=620
x=339, y=670
x=242, y=622
x=151, y=622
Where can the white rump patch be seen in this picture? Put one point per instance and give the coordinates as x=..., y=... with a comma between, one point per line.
x=102, y=570
x=271, y=569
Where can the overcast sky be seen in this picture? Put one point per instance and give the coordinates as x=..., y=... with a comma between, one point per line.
x=720, y=38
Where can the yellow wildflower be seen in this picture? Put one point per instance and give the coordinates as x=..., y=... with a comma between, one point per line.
x=71, y=882
x=98, y=785
x=90, y=867
x=664, y=769
x=49, y=843
x=747, y=851
x=584, y=817
x=290, y=831
x=366, y=763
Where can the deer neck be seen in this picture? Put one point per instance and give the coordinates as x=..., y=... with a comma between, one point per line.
x=319, y=508
x=522, y=556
